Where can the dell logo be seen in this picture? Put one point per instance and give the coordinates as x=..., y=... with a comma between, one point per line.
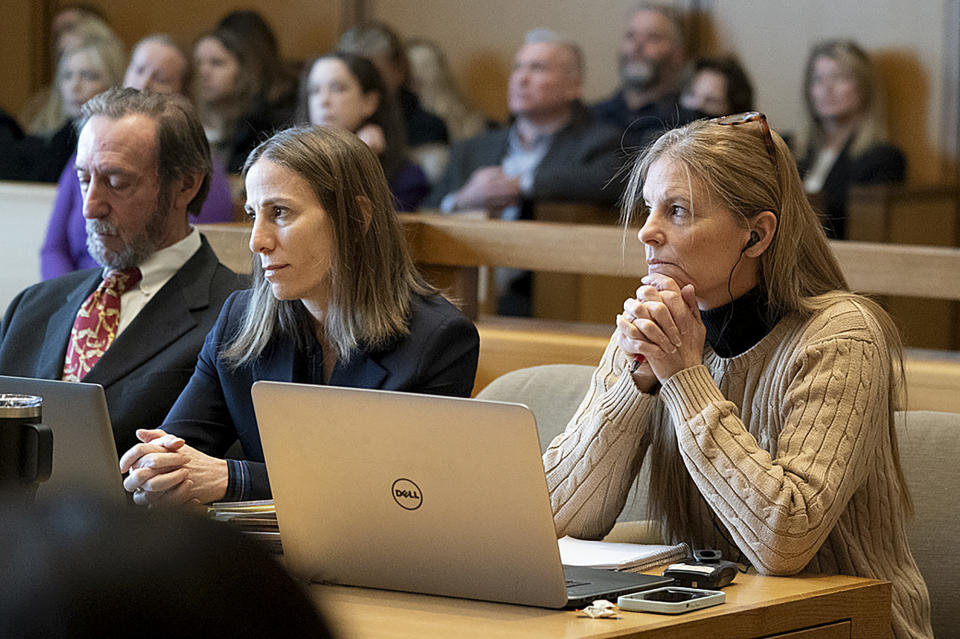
x=406, y=494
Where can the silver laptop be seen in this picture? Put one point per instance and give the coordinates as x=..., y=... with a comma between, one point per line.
x=84, y=451
x=418, y=493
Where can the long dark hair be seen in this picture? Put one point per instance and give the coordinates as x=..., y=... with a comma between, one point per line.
x=387, y=115
x=372, y=278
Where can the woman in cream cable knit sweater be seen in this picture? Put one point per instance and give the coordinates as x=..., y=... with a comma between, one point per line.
x=765, y=399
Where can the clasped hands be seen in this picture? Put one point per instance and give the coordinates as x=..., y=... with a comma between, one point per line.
x=489, y=188
x=164, y=471
x=663, y=324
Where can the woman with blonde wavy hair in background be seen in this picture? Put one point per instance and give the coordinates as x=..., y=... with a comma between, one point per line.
x=759, y=388
x=846, y=138
x=84, y=69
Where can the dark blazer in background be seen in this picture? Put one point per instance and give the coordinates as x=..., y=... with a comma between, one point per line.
x=879, y=164
x=147, y=366
x=438, y=357
x=582, y=159
x=421, y=126
x=641, y=127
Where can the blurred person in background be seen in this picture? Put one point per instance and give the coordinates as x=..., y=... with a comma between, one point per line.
x=280, y=77
x=717, y=87
x=431, y=80
x=381, y=45
x=846, y=137
x=83, y=71
x=229, y=94
x=72, y=25
x=346, y=90
x=554, y=150
x=157, y=65
x=652, y=63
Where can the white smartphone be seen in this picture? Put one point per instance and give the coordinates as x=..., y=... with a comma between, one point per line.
x=670, y=600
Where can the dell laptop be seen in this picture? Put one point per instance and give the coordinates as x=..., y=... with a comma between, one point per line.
x=419, y=493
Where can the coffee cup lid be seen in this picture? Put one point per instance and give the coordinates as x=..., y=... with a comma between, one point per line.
x=17, y=405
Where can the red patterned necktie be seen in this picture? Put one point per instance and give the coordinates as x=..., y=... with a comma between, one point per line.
x=96, y=324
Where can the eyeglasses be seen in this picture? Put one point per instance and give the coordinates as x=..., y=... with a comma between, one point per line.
x=752, y=116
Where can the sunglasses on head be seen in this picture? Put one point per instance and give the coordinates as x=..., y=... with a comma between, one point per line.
x=746, y=118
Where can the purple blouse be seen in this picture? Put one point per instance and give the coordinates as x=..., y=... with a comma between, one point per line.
x=409, y=187
x=65, y=247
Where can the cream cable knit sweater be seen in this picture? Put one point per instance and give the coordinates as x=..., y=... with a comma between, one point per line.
x=787, y=444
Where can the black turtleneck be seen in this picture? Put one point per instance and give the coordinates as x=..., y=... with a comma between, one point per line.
x=735, y=327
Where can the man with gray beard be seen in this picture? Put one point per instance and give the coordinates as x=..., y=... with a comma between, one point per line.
x=136, y=325
x=652, y=64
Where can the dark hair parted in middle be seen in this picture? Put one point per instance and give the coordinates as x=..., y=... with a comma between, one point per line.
x=739, y=87
x=387, y=114
x=372, y=277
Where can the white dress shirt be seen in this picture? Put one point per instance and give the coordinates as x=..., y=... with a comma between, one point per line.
x=156, y=271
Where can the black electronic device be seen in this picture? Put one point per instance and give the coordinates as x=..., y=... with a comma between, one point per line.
x=707, y=570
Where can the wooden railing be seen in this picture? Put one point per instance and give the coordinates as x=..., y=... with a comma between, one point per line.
x=454, y=244
x=451, y=247
x=914, y=214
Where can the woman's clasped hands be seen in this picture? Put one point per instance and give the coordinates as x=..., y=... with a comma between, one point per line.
x=663, y=325
x=165, y=471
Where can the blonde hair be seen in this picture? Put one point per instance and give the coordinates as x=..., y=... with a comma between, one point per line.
x=93, y=34
x=431, y=79
x=853, y=59
x=799, y=273
x=107, y=53
x=372, y=277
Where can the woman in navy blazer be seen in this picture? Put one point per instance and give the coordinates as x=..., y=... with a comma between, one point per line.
x=336, y=300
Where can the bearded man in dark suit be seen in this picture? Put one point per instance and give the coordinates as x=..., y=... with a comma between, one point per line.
x=136, y=325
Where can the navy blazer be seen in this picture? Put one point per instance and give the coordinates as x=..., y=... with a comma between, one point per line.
x=147, y=366
x=879, y=164
x=438, y=356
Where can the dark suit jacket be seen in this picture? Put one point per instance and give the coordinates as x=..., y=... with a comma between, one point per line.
x=643, y=126
x=580, y=162
x=148, y=364
x=422, y=127
x=439, y=356
x=879, y=164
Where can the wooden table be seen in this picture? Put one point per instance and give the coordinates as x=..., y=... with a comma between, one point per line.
x=799, y=607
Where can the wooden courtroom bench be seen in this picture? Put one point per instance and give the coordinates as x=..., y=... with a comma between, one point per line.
x=453, y=247
x=911, y=214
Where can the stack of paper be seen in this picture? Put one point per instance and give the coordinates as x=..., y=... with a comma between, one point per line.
x=618, y=556
x=257, y=519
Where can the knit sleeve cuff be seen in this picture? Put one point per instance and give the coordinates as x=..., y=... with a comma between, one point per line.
x=623, y=403
x=688, y=392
